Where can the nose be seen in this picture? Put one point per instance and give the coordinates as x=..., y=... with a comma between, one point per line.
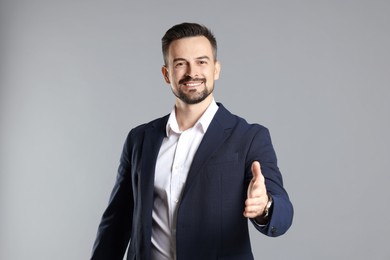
x=191, y=71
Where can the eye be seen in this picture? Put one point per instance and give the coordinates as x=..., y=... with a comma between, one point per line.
x=202, y=62
x=179, y=64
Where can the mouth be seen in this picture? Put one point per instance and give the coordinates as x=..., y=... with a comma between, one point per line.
x=192, y=84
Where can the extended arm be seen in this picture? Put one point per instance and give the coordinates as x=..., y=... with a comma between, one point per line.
x=268, y=182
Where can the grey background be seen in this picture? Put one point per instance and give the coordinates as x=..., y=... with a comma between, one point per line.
x=76, y=76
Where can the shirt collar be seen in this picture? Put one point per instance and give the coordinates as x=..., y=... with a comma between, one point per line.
x=203, y=122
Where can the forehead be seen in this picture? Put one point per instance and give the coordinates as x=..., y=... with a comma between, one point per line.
x=190, y=47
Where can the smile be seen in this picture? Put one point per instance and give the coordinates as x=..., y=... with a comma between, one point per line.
x=193, y=84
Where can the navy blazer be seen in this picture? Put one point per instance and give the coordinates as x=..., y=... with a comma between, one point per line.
x=210, y=221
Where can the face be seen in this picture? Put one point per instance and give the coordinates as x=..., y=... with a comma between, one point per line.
x=191, y=69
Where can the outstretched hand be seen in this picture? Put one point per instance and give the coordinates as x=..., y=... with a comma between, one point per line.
x=257, y=197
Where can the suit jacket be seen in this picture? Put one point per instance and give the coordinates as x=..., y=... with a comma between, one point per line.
x=210, y=221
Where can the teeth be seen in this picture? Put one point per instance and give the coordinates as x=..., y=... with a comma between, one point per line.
x=193, y=84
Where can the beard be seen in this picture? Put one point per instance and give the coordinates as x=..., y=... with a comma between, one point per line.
x=193, y=96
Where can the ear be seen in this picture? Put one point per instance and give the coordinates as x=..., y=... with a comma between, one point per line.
x=217, y=70
x=164, y=71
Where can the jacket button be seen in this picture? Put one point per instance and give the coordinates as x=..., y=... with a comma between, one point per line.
x=273, y=230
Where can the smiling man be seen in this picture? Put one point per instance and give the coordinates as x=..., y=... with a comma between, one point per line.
x=188, y=182
x=191, y=69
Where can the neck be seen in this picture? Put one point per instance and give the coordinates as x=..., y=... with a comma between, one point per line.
x=187, y=115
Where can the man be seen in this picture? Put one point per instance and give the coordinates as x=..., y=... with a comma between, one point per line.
x=188, y=182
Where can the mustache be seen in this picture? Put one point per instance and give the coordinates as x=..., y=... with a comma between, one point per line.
x=189, y=78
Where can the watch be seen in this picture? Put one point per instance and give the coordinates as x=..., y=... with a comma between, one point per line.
x=267, y=208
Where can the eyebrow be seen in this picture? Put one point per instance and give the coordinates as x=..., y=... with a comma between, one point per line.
x=205, y=57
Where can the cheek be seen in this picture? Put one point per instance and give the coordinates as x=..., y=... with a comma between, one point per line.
x=177, y=75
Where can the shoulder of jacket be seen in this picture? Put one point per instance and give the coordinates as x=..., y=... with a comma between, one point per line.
x=156, y=123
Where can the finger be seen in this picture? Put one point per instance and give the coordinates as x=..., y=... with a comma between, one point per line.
x=257, y=201
x=252, y=211
x=254, y=207
x=255, y=191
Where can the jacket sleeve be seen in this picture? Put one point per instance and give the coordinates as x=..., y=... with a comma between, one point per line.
x=115, y=227
x=282, y=210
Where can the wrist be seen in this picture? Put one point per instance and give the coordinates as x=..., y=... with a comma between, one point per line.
x=265, y=217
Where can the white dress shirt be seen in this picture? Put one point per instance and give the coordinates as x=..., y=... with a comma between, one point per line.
x=173, y=163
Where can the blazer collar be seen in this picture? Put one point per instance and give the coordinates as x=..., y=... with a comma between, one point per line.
x=154, y=135
x=218, y=131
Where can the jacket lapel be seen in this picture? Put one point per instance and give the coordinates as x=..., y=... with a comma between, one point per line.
x=151, y=145
x=153, y=138
x=216, y=134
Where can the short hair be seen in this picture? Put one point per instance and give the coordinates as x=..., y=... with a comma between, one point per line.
x=185, y=30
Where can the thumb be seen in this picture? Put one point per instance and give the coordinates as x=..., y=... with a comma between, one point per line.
x=256, y=179
x=256, y=171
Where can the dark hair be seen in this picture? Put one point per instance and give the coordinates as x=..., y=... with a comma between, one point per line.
x=184, y=30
